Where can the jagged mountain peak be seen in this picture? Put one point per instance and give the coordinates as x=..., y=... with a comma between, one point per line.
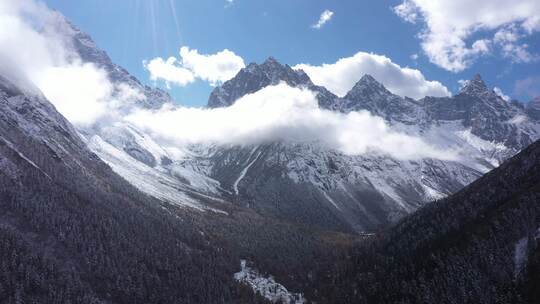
x=367, y=78
x=255, y=77
x=273, y=68
x=475, y=87
x=367, y=87
x=271, y=61
x=369, y=81
x=371, y=95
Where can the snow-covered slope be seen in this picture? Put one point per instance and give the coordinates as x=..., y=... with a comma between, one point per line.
x=158, y=182
x=266, y=286
x=135, y=156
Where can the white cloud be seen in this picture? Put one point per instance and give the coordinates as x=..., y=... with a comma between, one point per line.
x=414, y=56
x=532, y=24
x=169, y=71
x=68, y=86
x=407, y=11
x=341, y=76
x=507, y=38
x=499, y=92
x=323, y=19
x=462, y=83
x=449, y=25
x=286, y=114
x=215, y=68
x=35, y=49
x=518, y=53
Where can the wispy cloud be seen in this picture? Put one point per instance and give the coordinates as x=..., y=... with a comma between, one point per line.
x=323, y=19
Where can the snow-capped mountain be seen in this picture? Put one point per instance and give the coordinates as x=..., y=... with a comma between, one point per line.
x=370, y=95
x=487, y=115
x=313, y=185
x=308, y=183
x=255, y=77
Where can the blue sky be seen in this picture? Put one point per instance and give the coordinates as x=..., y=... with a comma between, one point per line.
x=135, y=30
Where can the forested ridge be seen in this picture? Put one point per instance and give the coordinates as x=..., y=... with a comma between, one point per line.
x=462, y=249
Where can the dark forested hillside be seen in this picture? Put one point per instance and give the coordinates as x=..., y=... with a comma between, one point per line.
x=72, y=231
x=477, y=246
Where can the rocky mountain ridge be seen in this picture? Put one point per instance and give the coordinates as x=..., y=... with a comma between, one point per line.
x=309, y=184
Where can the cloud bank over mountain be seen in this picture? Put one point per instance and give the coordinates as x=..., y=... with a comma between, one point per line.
x=281, y=113
x=35, y=51
x=340, y=77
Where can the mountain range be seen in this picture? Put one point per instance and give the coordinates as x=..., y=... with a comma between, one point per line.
x=308, y=183
x=106, y=214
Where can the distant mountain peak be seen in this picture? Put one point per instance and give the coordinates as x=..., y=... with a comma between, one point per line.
x=476, y=86
x=368, y=78
x=477, y=77
x=371, y=81
x=367, y=86
x=255, y=77
x=271, y=61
